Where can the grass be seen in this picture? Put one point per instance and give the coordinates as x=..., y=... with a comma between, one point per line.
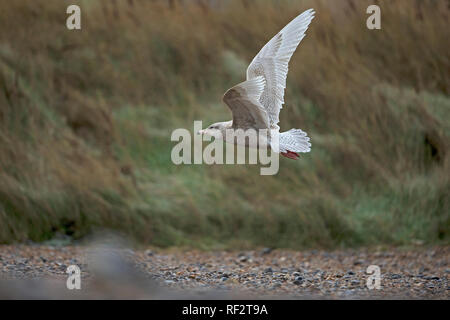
x=86, y=118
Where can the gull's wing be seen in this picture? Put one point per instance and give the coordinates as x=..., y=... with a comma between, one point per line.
x=243, y=100
x=272, y=63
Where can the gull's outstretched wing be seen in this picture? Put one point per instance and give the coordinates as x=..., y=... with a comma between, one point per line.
x=272, y=64
x=243, y=100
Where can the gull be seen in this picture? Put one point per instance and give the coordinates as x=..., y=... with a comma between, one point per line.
x=255, y=104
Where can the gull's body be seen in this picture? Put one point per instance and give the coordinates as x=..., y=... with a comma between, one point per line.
x=256, y=103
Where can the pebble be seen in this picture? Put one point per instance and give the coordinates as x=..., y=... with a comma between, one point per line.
x=149, y=253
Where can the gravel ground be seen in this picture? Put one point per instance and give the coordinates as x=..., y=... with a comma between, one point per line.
x=32, y=271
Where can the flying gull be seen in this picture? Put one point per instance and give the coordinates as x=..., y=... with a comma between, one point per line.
x=256, y=102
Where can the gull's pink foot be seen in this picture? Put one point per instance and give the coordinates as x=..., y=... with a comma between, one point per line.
x=290, y=155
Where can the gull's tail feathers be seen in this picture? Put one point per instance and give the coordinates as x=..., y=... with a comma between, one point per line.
x=293, y=141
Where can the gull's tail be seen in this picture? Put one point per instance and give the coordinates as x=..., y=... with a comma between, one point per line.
x=293, y=141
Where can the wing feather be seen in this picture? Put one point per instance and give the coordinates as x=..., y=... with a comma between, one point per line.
x=244, y=103
x=272, y=64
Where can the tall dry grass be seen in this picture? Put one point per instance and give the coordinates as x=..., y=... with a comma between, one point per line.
x=86, y=116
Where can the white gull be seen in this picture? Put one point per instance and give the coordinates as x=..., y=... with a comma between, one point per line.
x=256, y=103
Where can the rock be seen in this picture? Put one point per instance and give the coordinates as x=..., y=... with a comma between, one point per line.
x=298, y=280
x=349, y=292
x=266, y=251
x=243, y=259
x=149, y=253
x=268, y=270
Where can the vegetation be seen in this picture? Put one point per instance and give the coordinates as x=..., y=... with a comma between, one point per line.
x=86, y=118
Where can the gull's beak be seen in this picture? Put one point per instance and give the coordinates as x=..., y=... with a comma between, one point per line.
x=200, y=131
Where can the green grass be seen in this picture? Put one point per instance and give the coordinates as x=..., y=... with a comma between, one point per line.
x=86, y=118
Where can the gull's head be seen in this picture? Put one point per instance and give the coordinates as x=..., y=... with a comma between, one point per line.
x=215, y=130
